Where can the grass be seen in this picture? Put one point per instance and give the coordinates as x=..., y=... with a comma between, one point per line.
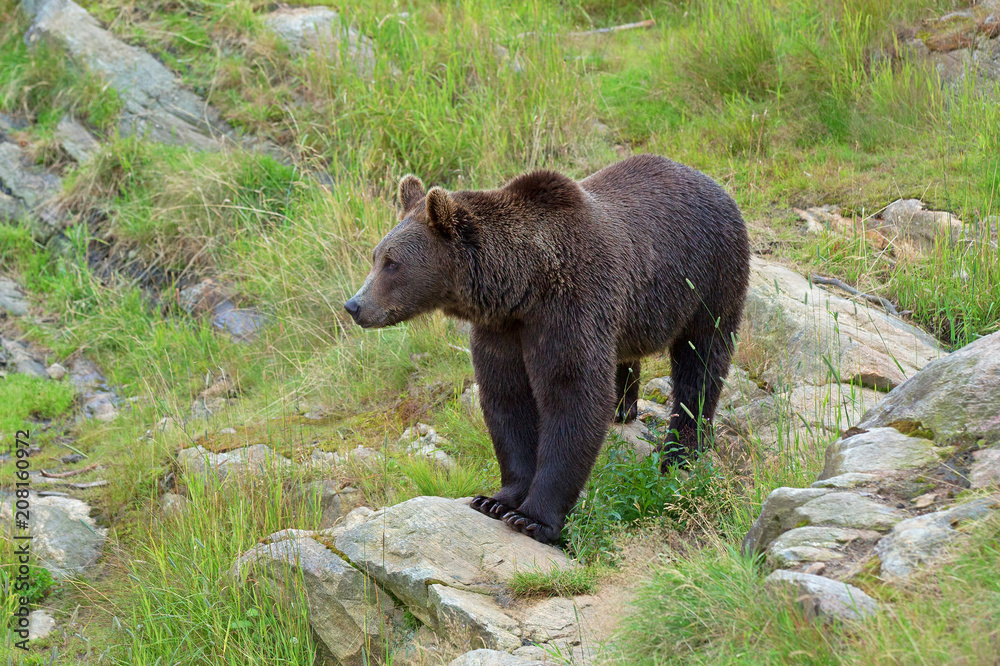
x=711, y=606
x=28, y=399
x=786, y=104
x=555, y=583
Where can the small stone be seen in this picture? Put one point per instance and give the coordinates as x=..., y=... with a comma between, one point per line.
x=72, y=458
x=75, y=139
x=924, y=501
x=256, y=460
x=652, y=410
x=228, y=431
x=334, y=502
x=106, y=412
x=12, y=299
x=56, y=371
x=40, y=624
x=659, y=389
x=986, y=468
x=823, y=597
x=173, y=505
x=816, y=568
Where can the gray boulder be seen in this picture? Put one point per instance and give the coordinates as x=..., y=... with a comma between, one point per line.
x=956, y=396
x=12, y=298
x=822, y=597
x=877, y=451
x=346, y=608
x=428, y=540
x=985, y=471
x=806, y=330
x=916, y=230
x=30, y=194
x=17, y=357
x=918, y=541
x=814, y=544
x=65, y=538
x=75, y=139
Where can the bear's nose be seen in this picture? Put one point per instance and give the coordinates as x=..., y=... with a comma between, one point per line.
x=353, y=307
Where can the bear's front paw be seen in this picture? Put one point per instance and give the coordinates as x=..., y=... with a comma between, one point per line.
x=489, y=506
x=537, y=530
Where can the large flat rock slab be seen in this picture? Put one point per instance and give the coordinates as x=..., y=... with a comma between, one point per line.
x=427, y=540
x=818, y=337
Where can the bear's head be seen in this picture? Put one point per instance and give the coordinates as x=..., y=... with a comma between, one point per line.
x=413, y=267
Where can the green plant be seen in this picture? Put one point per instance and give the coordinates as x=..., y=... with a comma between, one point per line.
x=555, y=583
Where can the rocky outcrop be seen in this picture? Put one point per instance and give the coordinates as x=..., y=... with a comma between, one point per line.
x=154, y=102
x=12, y=299
x=29, y=194
x=886, y=492
x=65, y=539
x=433, y=557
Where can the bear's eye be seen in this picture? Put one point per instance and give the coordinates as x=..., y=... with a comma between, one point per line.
x=390, y=265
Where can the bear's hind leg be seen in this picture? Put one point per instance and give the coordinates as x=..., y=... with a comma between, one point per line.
x=697, y=374
x=627, y=384
x=511, y=417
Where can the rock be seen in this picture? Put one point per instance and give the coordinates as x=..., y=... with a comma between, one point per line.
x=65, y=538
x=256, y=460
x=20, y=359
x=472, y=618
x=814, y=544
x=346, y=609
x=429, y=540
x=806, y=330
x=320, y=30
x=492, y=658
x=822, y=597
x=879, y=450
x=659, y=389
x=787, y=508
x=851, y=480
x=985, y=470
x=72, y=458
x=33, y=193
x=98, y=400
x=56, y=371
x=40, y=624
x=636, y=435
x=166, y=424
x=334, y=502
x=550, y=619
x=154, y=102
x=652, y=410
x=365, y=455
x=75, y=139
x=424, y=441
x=173, y=505
x=470, y=398
x=228, y=431
x=845, y=509
x=917, y=541
x=12, y=299
x=917, y=230
x=208, y=297
x=957, y=396
x=775, y=516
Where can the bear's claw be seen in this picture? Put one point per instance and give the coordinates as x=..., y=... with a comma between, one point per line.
x=489, y=506
x=526, y=525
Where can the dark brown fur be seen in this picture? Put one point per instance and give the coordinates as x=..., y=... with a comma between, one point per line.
x=568, y=285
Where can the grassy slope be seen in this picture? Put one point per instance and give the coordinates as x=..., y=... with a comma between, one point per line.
x=784, y=102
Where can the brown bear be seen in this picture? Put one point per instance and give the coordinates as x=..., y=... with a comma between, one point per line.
x=567, y=285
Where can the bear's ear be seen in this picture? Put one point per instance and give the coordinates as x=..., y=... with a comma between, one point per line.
x=441, y=212
x=411, y=189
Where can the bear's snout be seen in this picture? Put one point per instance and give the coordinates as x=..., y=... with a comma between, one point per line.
x=353, y=307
